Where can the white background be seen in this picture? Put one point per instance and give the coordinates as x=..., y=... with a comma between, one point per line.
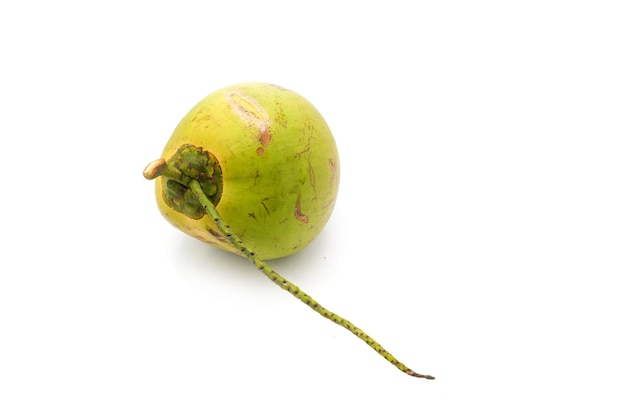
x=479, y=234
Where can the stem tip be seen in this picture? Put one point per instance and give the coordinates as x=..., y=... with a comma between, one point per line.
x=154, y=169
x=416, y=375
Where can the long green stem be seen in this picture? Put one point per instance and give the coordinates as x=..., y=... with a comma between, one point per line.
x=290, y=287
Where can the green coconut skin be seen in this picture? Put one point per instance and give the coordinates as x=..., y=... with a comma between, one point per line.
x=279, y=162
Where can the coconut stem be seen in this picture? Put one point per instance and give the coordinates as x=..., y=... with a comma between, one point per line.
x=290, y=287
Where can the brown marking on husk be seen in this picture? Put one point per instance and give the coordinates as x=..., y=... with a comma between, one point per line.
x=251, y=113
x=333, y=167
x=298, y=212
x=216, y=235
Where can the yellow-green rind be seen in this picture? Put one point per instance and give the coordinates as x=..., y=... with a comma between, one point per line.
x=279, y=162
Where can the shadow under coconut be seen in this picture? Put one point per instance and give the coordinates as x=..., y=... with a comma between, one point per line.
x=201, y=264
